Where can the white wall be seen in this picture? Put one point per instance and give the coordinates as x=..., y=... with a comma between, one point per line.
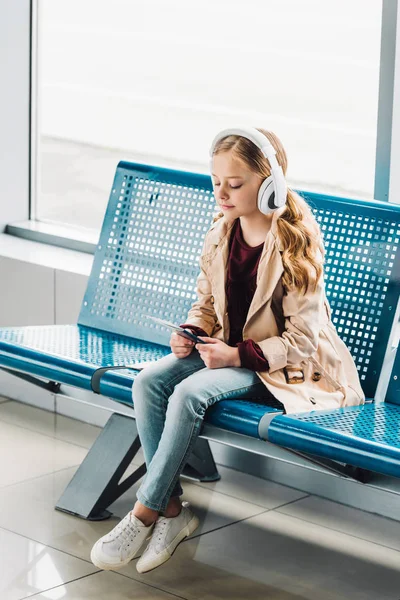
x=14, y=110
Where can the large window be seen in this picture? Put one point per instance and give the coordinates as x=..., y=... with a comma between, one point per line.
x=154, y=82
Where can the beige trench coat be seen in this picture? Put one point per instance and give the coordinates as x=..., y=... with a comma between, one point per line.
x=294, y=331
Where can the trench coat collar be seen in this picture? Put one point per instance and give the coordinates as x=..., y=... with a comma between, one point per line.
x=270, y=267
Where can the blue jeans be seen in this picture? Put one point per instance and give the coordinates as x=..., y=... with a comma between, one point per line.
x=170, y=398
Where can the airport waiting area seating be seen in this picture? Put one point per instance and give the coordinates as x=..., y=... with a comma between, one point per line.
x=146, y=263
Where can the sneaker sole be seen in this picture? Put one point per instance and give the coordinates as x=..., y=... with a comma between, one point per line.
x=96, y=560
x=169, y=550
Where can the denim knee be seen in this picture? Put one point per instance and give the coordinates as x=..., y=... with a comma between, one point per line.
x=138, y=384
x=141, y=390
x=185, y=399
x=147, y=393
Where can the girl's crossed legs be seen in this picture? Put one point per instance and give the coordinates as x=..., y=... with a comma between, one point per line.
x=170, y=399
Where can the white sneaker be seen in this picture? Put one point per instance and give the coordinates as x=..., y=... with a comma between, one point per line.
x=121, y=544
x=167, y=534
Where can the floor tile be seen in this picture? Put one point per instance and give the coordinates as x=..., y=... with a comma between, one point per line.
x=275, y=556
x=53, y=425
x=30, y=454
x=355, y=522
x=38, y=520
x=105, y=585
x=49, y=423
x=27, y=567
x=252, y=489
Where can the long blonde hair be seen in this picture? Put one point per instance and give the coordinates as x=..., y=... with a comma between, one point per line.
x=297, y=227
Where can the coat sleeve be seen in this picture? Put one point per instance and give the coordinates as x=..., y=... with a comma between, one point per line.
x=251, y=356
x=202, y=313
x=304, y=316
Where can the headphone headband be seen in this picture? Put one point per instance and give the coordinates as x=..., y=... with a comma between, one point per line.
x=253, y=135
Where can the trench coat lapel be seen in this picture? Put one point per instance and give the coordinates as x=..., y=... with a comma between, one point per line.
x=218, y=259
x=269, y=271
x=268, y=275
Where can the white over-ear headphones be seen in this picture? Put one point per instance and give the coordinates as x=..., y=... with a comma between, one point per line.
x=273, y=190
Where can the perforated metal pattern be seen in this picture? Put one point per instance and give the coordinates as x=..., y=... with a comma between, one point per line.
x=148, y=256
x=379, y=423
x=83, y=345
x=361, y=247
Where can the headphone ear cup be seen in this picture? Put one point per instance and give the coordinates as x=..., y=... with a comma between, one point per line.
x=266, y=196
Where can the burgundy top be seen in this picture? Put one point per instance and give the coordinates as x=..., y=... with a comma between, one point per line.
x=240, y=287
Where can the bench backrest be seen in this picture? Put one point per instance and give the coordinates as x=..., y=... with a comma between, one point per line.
x=362, y=276
x=147, y=261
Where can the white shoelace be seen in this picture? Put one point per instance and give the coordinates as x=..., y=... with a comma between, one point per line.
x=160, y=532
x=125, y=531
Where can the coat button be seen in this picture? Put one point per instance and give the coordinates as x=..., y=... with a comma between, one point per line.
x=316, y=376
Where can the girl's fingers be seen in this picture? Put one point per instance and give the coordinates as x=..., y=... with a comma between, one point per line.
x=182, y=346
x=181, y=354
x=178, y=343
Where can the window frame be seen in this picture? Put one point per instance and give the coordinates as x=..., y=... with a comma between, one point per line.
x=387, y=181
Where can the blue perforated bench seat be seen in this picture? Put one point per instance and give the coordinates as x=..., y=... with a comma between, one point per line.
x=365, y=436
x=70, y=354
x=147, y=263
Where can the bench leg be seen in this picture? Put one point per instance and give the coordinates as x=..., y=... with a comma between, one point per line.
x=201, y=465
x=96, y=485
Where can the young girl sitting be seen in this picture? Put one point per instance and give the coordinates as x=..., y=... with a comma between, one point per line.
x=266, y=323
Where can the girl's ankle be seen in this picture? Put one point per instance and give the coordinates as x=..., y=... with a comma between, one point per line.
x=173, y=511
x=146, y=519
x=172, y=515
x=147, y=523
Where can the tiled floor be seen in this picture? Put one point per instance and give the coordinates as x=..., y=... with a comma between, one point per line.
x=257, y=540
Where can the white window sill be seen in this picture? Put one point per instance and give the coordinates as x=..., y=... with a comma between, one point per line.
x=73, y=238
x=46, y=255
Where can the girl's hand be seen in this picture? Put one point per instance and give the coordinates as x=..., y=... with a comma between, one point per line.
x=216, y=354
x=180, y=346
